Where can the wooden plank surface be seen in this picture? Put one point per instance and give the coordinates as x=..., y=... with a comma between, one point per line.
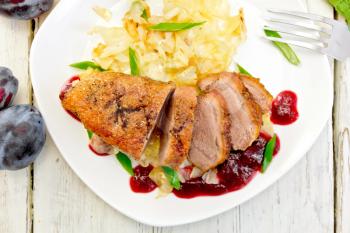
x=302, y=201
x=15, y=190
x=342, y=145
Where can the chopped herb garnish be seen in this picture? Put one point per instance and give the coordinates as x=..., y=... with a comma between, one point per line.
x=125, y=162
x=133, y=62
x=268, y=153
x=144, y=15
x=174, y=27
x=286, y=50
x=139, y=6
x=242, y=70
x=90, y=133
x=84, y=65
x=172, y=177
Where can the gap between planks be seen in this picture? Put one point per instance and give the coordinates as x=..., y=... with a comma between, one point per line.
x=30, y=206
x=341, y=145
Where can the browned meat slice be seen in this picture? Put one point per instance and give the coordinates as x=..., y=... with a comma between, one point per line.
x=123, y=110
x=245, y=114
x=177, y=126
x=259, y=93
x=211, y=133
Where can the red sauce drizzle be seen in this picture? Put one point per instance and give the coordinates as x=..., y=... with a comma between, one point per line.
x=277, y=146
x=99, y=154
x=73, y=115
x=140, y=182
x=284, y=108
x=65, y=88
x=235, y=173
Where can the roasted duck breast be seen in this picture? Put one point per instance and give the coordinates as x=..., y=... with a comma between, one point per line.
x=121, y=109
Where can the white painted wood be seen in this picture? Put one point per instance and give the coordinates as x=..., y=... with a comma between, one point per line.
x=342, y=146
x=15, y=194
x=302, y=201
x=62, y=203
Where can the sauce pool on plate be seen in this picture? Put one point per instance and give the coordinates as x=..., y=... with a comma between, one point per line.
x=235, y=173
x=65, y=88
x=96, y=153
x=140, y=182
x=284, y=108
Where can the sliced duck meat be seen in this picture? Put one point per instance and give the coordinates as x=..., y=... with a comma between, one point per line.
x=177, y=126
x=121, y=109
x=245, y=113
x=258, y=91
x=211, y=133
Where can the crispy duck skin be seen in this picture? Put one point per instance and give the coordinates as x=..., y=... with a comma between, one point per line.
x=123, y=110
x=245, y=113
x=211, y=133
x=177, y=126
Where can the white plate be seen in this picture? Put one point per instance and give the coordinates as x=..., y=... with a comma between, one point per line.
x=63, y=39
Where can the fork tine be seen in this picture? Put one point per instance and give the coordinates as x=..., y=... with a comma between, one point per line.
x=302, y=15
x=308, y=35
x=302, y=24
x=307, y=45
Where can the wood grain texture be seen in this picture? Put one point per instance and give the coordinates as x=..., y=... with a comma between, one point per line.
x=342, y=145
x=62, y=203
x=302, y=201
x=15, y=190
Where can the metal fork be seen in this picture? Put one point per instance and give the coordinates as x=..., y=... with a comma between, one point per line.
x=310, y=31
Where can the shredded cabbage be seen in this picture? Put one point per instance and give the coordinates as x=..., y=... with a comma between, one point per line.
x=158, y=177
x=104, y=13
x=183, y=57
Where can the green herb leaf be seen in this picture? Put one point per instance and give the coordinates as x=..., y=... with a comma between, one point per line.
x=174, y=27
x=139, y=6
x=243, y=71
x=84, y=65
x=286, y=50
x=342, y=7
x=172, y=177
x=133, y=62
x=90, y=133
x=268, y=153
x=144, y=15
x=125, y=162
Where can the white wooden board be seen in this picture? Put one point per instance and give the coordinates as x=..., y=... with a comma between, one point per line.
x=15, y=190
x=342, y=146
x=302, y=201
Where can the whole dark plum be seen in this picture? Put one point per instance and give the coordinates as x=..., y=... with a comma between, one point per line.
x=8, y=87
x=25, y=9
x=22, y=136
